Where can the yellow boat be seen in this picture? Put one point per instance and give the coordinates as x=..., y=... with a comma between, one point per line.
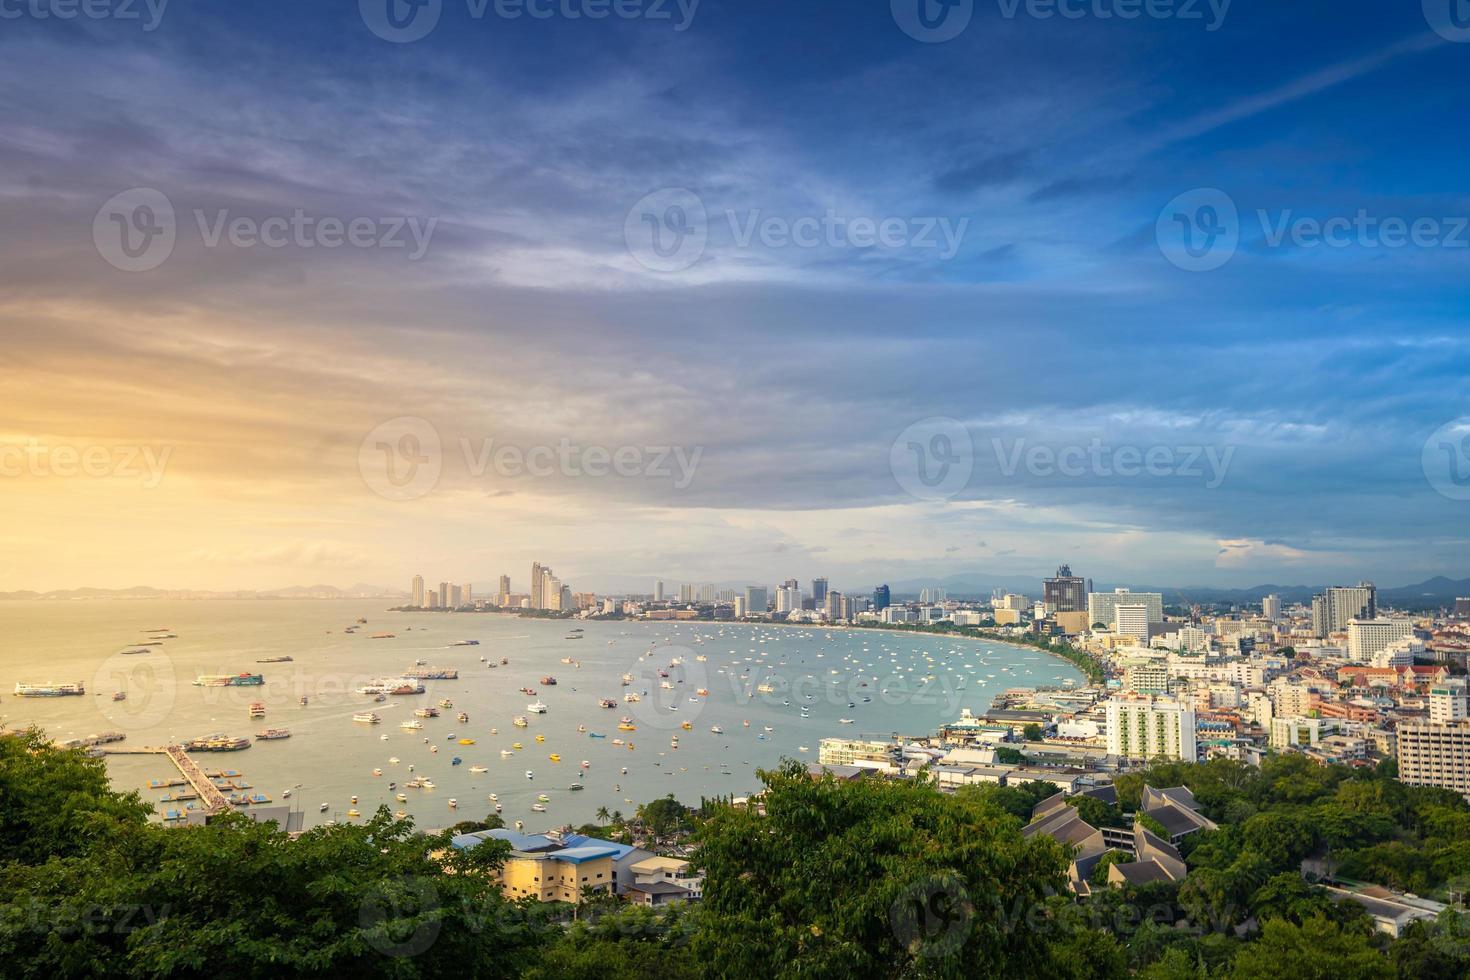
x=353, y=813
x=466, y=741
x=555, y=757
x=540, y=738
x=686, y=726
x=516, y=745
x=625, y=727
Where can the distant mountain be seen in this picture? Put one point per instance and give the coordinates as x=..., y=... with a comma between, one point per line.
x=359, y=591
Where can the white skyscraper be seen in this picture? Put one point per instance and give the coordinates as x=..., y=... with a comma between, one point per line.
x=1150, y=728
x=1131, y=620
x=416, y=592
x=1100, y=605
x=1271, y=608
x=1367, y=636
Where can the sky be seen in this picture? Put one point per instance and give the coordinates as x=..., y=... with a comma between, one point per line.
x=342, y=292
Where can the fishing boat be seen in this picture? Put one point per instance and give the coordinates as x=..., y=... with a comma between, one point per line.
x=456, y=761
x=596, y=735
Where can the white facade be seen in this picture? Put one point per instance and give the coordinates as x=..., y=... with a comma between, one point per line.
x=1149, y=728
x=1101, y=605
x=1367, y=636
x=1131, y=620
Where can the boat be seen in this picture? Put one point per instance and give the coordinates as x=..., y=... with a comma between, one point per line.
x=445, y=703
x=271, y=734
x=530, y=774
x=765, y=689
x=685, y=725
x=410, y=724
x=432, y=673
x=120, y=695
x=382, y=636
x=504, y=661
x=463, y=718
x=539, y=807
x=536, y=707
x=322, y=808
x=596, y=735
x=257, y=709
x=393, y=760
x=572, y=636
x=549, y=681
x=627, y=727
x=581, y=729
x=540, y=738
x=519, y=721
x=554, y=757
x=303, y=700
x=217, y=743
x=465, y=643
x=426, y=712
x=506, y=753
x=703, y=692
x=542, y=798
x=49, y=690
x=275, y=660
x=353, y=814
x=135, y=651
x=453, y=803
x=229, y=680
x=607, y=703
x=367, y=717
x=844, y=721
x=631, y=698
x=498, y=808
x=379, y=772
x=716, y=729
x=479, y=769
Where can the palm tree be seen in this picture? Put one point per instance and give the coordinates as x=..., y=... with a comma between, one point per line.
x=602, y=814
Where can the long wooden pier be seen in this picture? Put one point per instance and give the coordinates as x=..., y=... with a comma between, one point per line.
x=214, y=800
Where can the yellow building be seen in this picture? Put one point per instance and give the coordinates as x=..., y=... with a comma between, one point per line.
x=542, y=868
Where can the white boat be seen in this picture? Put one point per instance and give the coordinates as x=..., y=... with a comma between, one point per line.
x=520, y=721
x=494, y=798
x=506, y=753
x=844, y=721
x=411, y=724
x=717, y=729
x=539, y=807
x=479, y=769
x=536, y=708
x=453, y=803
x=530, y=774
x=366, y=717
x=393, y=760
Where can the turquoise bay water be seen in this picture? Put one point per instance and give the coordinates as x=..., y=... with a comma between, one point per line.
x=884, y=683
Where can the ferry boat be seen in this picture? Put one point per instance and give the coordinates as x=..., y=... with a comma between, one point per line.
x=229, y=680
x=465, y=643
x=411, y=725
x=217, y=743
x=49, y=690
x=269, y=734
x=426, y=712
x=383, y=636
x=536, y=707
x=432, y=673
x=445, y=703
x=369, y=717
x=275, y=660
x=257, y=709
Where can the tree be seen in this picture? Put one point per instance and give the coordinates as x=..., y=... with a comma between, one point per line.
x=1318, y=949
x=1032, y=732
x=870, y=879
x=602, y=814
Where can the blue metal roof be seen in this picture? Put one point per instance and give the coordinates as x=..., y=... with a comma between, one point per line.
x=517, y=840
x=620, y=851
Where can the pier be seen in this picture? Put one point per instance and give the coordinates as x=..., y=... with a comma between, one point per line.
x=214, y=800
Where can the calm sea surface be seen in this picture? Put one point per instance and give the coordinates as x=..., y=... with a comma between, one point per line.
x=883, y=682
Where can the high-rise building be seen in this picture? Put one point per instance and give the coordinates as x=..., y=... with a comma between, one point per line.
x=1432, y=754
x=706, y=593
x=1337, y=606
x=467, y=594
x=1065, y=592
x=1100, y=605
x=444, y=595
x=503, y=599
x=416, y=592
x=1448, y=702
x=456, y=596
x=686, y=592
x=434, y=600
x=536, y=583
x=1131, y=620
x=788, y=600
x=1271, y=608
x=658, y=591
x=1367, y=636
x=832, y=604
x=755, y=600
x=1462, y=607
x=1150, y=728
x=882, y=598
x=819, y=591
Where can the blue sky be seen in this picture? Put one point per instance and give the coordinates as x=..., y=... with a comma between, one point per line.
x=1052, y=151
